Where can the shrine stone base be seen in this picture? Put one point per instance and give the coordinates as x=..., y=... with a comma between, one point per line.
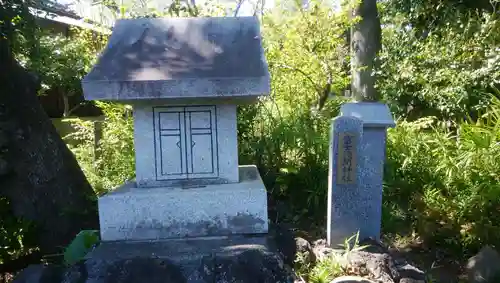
x=131, y=213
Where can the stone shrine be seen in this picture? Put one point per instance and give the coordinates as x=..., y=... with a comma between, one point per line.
x=184, y=78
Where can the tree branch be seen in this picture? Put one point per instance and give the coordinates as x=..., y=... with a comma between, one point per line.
x=238, y=6
x=318, y=89
x=322, y=92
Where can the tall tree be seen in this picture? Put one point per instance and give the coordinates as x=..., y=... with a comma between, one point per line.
x=365, y=44
x=39, y=176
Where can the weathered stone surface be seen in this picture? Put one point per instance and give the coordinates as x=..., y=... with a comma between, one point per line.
x=374, y=262
x=484, y=266
x=321, y=249
x=410, y=273
x=4, y=168
x=284, y=241
x=180, y=58
x=200, y=261
x=250, y=266
x=39, y=274
x=180, y=159
x=305, y=248
x=351, y=279
x=346, y=213
x=134, y=270
x=357, y=156
x=379, y=266
x=44, y=183
x=131, y=213
x=410, y=280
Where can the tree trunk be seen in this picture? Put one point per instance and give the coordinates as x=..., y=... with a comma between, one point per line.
x=39, y=176
x=365, y=44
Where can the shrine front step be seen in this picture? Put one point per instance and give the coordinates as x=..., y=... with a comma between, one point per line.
x=131, y=213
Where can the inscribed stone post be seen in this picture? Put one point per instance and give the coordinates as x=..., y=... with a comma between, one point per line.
x=346, y=208
x=376, y=118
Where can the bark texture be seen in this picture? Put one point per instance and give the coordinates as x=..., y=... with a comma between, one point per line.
x=365, y=44
x=39, y=176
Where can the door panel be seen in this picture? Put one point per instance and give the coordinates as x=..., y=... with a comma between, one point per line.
x=186, y=142
x=170, y=143
x=171, y=155
x=202, y=154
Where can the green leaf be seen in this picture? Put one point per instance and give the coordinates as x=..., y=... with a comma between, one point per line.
x=80, y=246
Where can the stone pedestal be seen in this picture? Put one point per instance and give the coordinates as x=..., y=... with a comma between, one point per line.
x=131, y=213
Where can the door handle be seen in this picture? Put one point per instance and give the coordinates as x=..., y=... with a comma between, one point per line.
x=178, y=144
x=192, y=144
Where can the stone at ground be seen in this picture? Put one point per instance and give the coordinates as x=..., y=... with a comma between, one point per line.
x=351, y=279
x=250, y=266
x=378, y=266
x=220, y=260
x=304, y=248
x=410, y=280
x=484, y=266
x=374, y=262
x=284, y=240
x=381, y=266
x=39, y=273
x=321, y=249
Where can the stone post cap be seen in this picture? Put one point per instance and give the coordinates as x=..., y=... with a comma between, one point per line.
x=373, y=114
x=180, y=58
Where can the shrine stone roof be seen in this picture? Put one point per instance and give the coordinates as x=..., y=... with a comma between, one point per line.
x=176, y=58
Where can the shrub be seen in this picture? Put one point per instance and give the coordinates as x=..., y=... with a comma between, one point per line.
x=446, y=183
x=113, y=163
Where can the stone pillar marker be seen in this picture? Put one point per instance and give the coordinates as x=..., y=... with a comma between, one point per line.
x=184, y=78
x=345, y=214
x=374, y=119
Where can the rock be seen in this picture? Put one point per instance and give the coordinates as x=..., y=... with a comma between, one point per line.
x=250, y=266
x=351, y=279
x=379, y=266
x=136, y=270
x=410, y=274
x=4, y=169
x=284, y=242
x=3, y=137
x=410, y=280
x=321, y=249
x=46, y=186
x=242, y=263
x=303, y=247
x=373, y=261
x=484, y=266
x=39, y=273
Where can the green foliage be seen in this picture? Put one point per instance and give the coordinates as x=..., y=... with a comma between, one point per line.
x=442, y=173
x=443, y=72
x=446, y=184
x=337, y=264
x=17, y=26
x=14, y=234
x=287, y=135
x=325, y=271
x=61, y=62
x=80, y=246
x=112, y=162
